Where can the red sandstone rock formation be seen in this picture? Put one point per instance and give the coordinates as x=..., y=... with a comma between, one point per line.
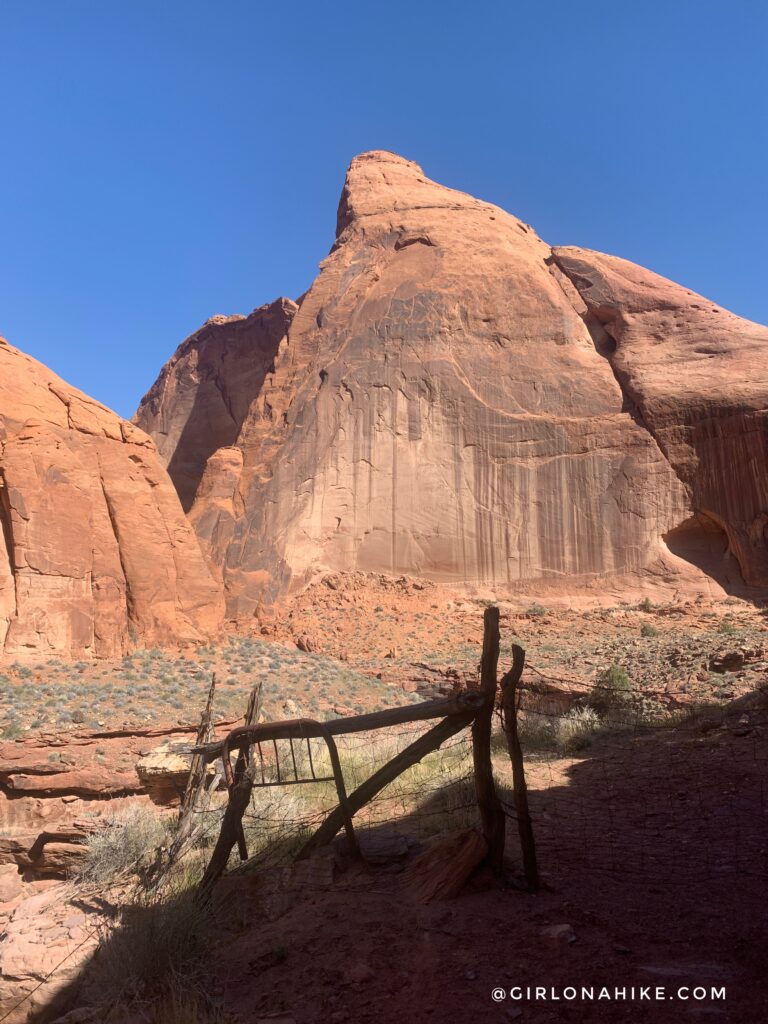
x=697, y=377
x=203, y=393
x=455, y=401
x=94, y=546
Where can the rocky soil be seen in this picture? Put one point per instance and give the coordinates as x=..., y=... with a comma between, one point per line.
x=354, y=642
x=652, y=849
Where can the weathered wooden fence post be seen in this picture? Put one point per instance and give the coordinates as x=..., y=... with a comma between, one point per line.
x=491, y=812
x=198, y=767
x=509, y=685
x=232, y=824
x=194, y=800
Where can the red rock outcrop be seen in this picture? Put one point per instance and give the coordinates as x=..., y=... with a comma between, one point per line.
x=94, y=546
x=697, y=376
x=451, y=403
x=203, y=393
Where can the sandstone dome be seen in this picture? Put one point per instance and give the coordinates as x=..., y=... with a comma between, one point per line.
x=454, y=399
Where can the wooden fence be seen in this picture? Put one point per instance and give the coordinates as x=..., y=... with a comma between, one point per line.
x=471, y=708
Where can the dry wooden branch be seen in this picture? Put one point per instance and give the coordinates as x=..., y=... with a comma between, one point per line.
x=509, y=685
x=441, y=872
x=465, y=702
x=231, y=832
x=491, y=811
x=197, y=772
x=243, y=761
x=412, y=754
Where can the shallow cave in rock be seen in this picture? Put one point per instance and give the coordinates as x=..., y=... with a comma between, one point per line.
x=703, y=542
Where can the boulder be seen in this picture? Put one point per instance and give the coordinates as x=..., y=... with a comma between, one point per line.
x=727, y=661
x=11, y=885
x=164, y=771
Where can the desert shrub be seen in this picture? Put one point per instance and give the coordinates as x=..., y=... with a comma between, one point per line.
x=536, y=734
x=127, y=837
x=563, y=734
x=646, y=605
x=575, y=729
x=12, y=731
x=648, y=630
x=726, y=626
x=451, y=807
x=612, y=689
x=536, y=611
x=615, y=678
x=276, y=824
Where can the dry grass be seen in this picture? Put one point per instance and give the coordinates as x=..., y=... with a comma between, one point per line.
x=175, y=1006
x=128, y=838
x=150, y=957
x=427, y=799
x=560, y=734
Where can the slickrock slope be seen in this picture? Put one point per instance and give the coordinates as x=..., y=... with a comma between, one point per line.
x=448, y=405
x=698, y=376
x=94, y=546
x=203, y=393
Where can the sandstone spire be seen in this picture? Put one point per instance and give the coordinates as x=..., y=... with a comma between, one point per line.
x=451, y=401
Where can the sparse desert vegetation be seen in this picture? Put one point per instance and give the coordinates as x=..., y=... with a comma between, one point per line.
x=155, y=686
x=598, y=681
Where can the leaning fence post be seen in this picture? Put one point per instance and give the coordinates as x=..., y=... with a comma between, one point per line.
x=491, y=811
x=232, y=824
x=197, y=768
x=509, y=685
x=411, y=755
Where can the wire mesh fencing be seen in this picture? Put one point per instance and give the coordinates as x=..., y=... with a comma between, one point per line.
x=434, y=795
x=624, y=782
x=637, y=783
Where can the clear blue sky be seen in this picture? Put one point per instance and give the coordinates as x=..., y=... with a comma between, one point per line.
x=164, y=160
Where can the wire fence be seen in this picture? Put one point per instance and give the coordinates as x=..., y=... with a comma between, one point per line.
x=434, y=795
x=621, y=786
x=621, y=783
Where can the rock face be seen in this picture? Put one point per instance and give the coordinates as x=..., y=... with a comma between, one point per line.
x=697, y=377
x=204, y=391
x=94, y=546
x=456, y=401
x=47, y=943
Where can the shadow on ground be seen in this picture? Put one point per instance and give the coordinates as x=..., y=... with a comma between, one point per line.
x=653, y=848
